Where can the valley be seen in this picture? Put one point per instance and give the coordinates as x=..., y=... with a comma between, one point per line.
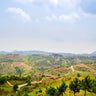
x=34, y=73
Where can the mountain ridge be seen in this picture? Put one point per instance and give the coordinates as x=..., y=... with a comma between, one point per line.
x=31, y=52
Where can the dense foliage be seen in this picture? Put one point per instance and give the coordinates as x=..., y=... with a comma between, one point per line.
x=75, y=85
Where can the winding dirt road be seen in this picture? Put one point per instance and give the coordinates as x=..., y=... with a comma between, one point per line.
x=33, y=82
x=22, y=85
x=9, y=84
x=72, y=68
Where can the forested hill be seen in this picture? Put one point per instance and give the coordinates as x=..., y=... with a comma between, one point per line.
x=14, y=64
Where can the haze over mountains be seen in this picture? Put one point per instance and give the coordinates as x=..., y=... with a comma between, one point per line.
x=41, y=52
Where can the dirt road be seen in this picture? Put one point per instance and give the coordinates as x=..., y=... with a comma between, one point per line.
x=72, y=68
x=22, y=85
x=10, y=84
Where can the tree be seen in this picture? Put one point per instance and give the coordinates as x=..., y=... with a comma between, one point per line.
x=40, y=91
x=86, y=84
x=15, y=88
x=51, y=91
x=19, y=71
x=26, y=94
x=28, y=80
x=3, y=79
x=75, y=85
x=94, y=86
x=58, y=75
x=62, y=88
x=78, y=75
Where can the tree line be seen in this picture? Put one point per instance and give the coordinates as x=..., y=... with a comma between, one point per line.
x=87, y=84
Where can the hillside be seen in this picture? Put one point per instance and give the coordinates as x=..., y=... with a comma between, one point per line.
x=43, y=71
x=13, y=64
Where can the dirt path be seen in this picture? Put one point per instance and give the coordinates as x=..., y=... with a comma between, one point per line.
x=33, y=82
x=72, y=68
x=22, y=85
x=10, y=84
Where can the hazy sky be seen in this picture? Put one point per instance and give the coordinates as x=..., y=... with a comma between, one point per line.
x=48, y=25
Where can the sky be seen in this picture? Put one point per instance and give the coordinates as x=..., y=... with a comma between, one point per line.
x=67, y=26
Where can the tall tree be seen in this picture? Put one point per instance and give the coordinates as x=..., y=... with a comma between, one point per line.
x=75, y=85
x=86, y=84
x=94, y=86
x=19, y=71
x=15, y=88
x=78, y=75
x=28, y=80
x=62, y=88
x=51, y=91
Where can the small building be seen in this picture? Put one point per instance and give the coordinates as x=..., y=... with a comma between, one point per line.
x=46, y=75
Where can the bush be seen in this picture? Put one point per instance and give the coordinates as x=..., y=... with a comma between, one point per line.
x=27, y=89
x=15, y=88
x=40, y=91
x=26, y=94
x=3, y=79
x=36, y=92
x=78, y=75
x=51, y=91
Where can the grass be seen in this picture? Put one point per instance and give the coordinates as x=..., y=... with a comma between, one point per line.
x=83, y=74
x=16, y=82
x=55, y=84
x=46, y=83
x=6, y=90
x=6, y=87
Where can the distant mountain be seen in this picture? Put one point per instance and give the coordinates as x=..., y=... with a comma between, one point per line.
x=44, y=53
x=37, y=52
x=94, y=52
x=3, y=52
x=26, y=52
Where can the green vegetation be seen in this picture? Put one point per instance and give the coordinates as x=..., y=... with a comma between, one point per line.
x=51, y=91
x=3, y=79
x=11, y=64
x=62, y=88
x=75, y=86
x=86, y=84
x=15, y=88
x=94, y=86
x=52, y=75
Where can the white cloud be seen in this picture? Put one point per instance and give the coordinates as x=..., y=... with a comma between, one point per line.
x=64, y=18
x=24, y=1
x=54, y=1
x=37, y=20
x=69, y=18
x=69, y=3
x=19, y=12
x=84, y=13
x=53, y=17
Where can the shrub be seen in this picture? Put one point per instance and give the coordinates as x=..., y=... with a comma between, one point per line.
x=40, y=90
x=78, y=75
x=51, y=91
x=15, y=88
